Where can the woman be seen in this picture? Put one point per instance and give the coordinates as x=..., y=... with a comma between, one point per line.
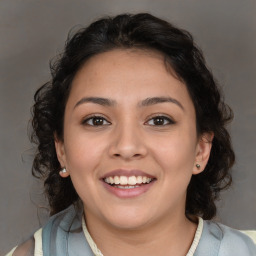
x=132, y=146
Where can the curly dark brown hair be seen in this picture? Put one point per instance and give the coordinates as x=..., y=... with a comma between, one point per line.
x=134, y=31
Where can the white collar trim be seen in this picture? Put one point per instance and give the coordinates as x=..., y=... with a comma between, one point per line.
x=191, y=251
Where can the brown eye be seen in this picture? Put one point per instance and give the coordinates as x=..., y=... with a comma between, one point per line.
x=160, y=121
x=95, y=121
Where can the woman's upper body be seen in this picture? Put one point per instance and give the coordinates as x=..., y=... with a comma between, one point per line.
x=66, y=234
x=133, y=124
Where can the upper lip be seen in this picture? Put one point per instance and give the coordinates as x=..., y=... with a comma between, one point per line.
x=128, y=173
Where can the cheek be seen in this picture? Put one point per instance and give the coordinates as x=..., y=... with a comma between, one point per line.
x=83, y=153
x=84, y=156
x=176, y=153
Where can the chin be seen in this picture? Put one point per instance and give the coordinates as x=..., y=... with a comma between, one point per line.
x=128, y=219
x=128, y=224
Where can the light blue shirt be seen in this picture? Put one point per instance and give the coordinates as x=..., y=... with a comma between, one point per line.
x=63, y=235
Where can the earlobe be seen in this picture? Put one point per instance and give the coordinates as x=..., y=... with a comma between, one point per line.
x=60, y=151
x=64, y=173
x=203, y=152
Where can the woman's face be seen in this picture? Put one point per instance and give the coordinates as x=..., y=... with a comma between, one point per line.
x=130, y=143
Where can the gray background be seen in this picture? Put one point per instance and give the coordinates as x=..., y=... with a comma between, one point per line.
x=32, y=32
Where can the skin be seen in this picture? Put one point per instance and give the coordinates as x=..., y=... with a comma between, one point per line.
x=154, y=222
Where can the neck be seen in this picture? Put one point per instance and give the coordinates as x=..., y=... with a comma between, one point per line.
x=173, y=235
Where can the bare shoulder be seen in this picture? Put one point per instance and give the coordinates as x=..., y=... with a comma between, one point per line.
x=25, y=249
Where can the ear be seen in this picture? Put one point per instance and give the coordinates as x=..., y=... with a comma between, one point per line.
x=60, y=151
x=203, y=151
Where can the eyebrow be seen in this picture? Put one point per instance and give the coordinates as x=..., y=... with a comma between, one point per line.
x=97, y=100
x=145, y=103
x=157, y=100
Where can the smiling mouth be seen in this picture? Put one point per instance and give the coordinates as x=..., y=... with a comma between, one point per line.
x=124, y=182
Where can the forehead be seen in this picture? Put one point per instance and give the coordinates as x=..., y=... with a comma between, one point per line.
x=127, y=73
x=112, y=64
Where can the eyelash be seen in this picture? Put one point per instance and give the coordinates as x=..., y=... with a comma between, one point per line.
x=169, y=120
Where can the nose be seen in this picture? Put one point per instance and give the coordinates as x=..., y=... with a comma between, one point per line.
x=127, y=143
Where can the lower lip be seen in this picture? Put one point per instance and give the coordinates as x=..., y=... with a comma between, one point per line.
x=129, y=192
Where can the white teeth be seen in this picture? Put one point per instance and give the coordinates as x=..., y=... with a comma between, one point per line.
x=132, y=180
x=123, y=180
x=144, y=179
x=126, y=187
x=111, y=180
x=139, y=179
x=116, y=180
